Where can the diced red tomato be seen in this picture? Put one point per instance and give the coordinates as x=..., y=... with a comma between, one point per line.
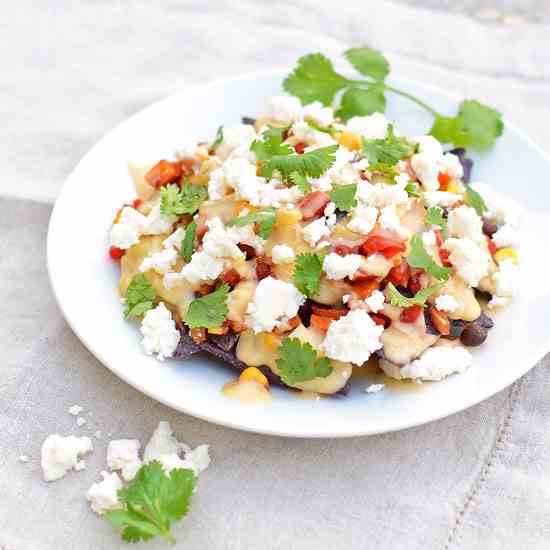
x=438, y=237
x=386, y=242
x=380, y=319
x=231, y=277
x=363, y=175
x=440, y=321
x=291, y=324
x=410, y=314
x=329, y=312
x=365, y=288
x=444, y=257
x=361, y=275
x=492, y=247
x=415, y=283
x=321, y=323
x=237, y=326
x=300, y=148
x=263, y=267
x=444, y=179
x=137, y=203
x=312, y=205
x=116, y=253
x=400, y=274
x=343, y=250
x=163, y=172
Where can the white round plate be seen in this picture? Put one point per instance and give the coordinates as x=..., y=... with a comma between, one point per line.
x=85, y=280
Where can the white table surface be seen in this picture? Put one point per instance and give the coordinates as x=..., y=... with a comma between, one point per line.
x=72, y=71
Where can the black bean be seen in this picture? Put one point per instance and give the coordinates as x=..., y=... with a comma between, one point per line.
x=485, y=321
x=482, y=294
x=457, y=326
x=305, y=312
x=489, y=228
x=473, y=334
x=405, y=291
x=248, y=120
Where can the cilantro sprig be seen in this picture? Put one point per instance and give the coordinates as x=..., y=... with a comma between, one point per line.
x=475, y=200
x=299, y=362
x=140, y=296
x=265, y=219
x=343, y=196
x=413, y=190
x=175, y=201
x=419, y=299
x=301, y=182
x=434, y=216
x=188, y=242
x=314, y=79
x=389, y=150
x=153, y=501
x=307, y=274
x=274, y=154
x=208, y=311
x=418, y=257
x=218, y=140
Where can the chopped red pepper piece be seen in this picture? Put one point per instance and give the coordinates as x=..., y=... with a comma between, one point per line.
x=444, y=179
x=312, y=205
x=386, y=242
x=116, y=253
x=321, y=323
x=329, y=312
x=300, y=148
x=380, y=319
x=400, y=274
x=163, y=172
x=410, y=314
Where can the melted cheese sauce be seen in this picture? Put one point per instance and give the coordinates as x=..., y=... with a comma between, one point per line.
x=371, y=373
x=247, y=391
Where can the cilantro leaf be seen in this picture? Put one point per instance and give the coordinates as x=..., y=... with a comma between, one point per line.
x=362, y=101
x=475, y=200
x=314, y=79
x=175, y=201
x=208, y=311
x=301, y=182
x=419, y=299
x=384, y=169
x=265, y=219
x=299, y=362
x=451, y=130
x=188, y=243
x=413, y=190
x=153, y=502
x=271, y=145
x=344, y=197
x=434, y=216
x=482, y=123
x=218, y=140
x=389, y=150
x=418, y=257
x=315, y=126
x=140, y=296
x=307, y=274
x=368, y=62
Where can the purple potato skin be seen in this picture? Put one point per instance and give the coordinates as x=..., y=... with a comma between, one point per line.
x=223, y=347
x=467, y=163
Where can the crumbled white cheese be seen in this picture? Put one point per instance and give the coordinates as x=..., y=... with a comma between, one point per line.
x=123, y=455
x=430, y=146
x=441, y=198
x=234, y=137
x=97, y=434
x=340, y=173
x=361, y=165
x=158, y=223
x=80, y=421
x=430, y=161
x=375, y=302
x=161, y=262
x=127, y=231
x=202, y=267
x=434, y=364
x=282, y=254
x=239, y=174
x=162, y=443
x=506, y=236
x=315, y=231
x=199, y=457
x=363, y=219
x=174, y=240
x=374, y=388
x=426, y=168
x=330, y=208
x=446, y=302
x=284, y=109
x=373, y=126
x=60, y=454
x=500, y=209
x=353, y=338
x=304, y=133
x=346, y=298
x=75, y=410
x=187, y=150
x=429, y=238
x=274, y=303
x=323, y=116
x=506, y=279
x=464, y=223
x=451, y=165
x=390, y=220
x=339, y=267
x=381, y=194
x=217, y=242
x=103, y=496
x=160, y=334
x=172, y=461
x=470, y=260
x=23, y=458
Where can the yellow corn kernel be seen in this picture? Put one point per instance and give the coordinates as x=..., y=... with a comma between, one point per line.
x=270, y=341
x=349, y=140
x=506, y=254
x=452, y=187
x=253, y=373
x=288, y=217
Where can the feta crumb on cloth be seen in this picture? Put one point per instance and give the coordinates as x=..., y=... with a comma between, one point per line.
x=123, y=455
x=103, y=495
x=61, y=454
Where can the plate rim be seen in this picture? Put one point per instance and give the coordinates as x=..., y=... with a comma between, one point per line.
x=526, y=365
